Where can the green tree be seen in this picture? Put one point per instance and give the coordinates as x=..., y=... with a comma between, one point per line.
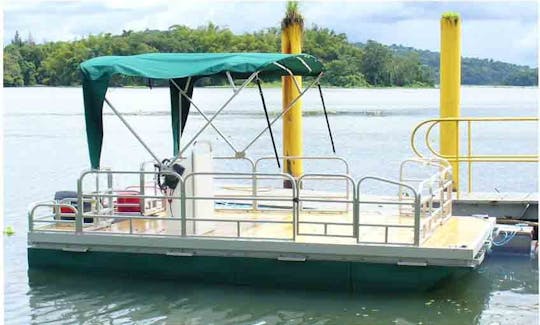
x=376, y=64
x=344, y=73
x=406, y=70
x=32, y=57
x=347, y=64
x=17, y=40
x=12, y=71
x=61, y=67
x=522, y=78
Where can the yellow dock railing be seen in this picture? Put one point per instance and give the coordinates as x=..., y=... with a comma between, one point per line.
x=468, y=157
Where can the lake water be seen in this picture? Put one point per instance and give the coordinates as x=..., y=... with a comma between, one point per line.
x=45, y=151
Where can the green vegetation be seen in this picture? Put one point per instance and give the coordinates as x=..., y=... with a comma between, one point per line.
x=348, y=65
x=292, y=15
x=476, y=71
x=451, y=15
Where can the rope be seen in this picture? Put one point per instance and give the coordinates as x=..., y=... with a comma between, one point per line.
x=507, y=237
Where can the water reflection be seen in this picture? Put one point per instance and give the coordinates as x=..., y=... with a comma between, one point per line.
x=478, y=297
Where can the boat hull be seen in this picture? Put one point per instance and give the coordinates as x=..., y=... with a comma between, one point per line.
x=265, y=272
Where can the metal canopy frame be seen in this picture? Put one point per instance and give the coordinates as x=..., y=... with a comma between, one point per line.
x=209, y=120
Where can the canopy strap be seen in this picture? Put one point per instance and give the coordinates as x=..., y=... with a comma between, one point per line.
x=326, y=117
x=258, y=81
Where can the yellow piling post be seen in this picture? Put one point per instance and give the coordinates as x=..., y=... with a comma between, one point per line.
x=291, y=42
x=450, y=82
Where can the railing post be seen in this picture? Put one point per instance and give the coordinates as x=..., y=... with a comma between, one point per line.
x=95, y=208
x=417, y=224
x=80, y=206
x=183, y=207
x=110, y=191
x=57, y=211
x=295, y=207
x=254, y=189
x=356, y=212
x=141, y=188
x=31, y=220
x=442, y=188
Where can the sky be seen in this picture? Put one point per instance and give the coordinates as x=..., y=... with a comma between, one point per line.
x=505, y=31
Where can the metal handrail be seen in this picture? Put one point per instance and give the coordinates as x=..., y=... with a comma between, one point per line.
x=345, y=163
x=469, y=157
x=255, y=198
x=347, y=200
x=444, y=178
x=417, y=200
x=337, y=158
x=52, y=204
x=295, y=197
x=327, y=176
x=109, y=173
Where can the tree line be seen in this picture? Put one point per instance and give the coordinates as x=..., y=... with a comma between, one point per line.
x=475, y=71
x=347, y=64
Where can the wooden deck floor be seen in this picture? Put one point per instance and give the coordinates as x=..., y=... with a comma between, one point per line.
x=455, y=232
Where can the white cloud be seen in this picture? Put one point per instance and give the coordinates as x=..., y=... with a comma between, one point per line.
x=501, y=30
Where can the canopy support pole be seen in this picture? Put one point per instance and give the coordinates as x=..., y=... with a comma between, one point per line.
x=231, y=81
x=131, y=130
x=290, y=74
x=248, y=80
x=183, y=93
x=268, y=121
x=326, y=117
x=284, y=111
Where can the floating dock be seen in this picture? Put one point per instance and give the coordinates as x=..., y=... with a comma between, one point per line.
x=518, y=206
x=265, y=235
x=181, y=218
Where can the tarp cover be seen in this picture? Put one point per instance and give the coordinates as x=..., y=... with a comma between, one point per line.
x=97, y=72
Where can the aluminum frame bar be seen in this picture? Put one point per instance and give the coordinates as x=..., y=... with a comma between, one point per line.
x=231, y=80
x=248, y=80
x=183, y=93
x=304, y=63
x=284, y=111
x=291, y=75
x=132, y=130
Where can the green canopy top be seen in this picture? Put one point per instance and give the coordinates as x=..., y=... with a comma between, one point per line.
x=181, y=65
x=97, y=72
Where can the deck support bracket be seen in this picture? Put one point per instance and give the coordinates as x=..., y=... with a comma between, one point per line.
x=292, y=258
x=411, y=263
x=179, y=253
x=75, y=249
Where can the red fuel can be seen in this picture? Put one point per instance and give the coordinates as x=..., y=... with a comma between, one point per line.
x=127, y=203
